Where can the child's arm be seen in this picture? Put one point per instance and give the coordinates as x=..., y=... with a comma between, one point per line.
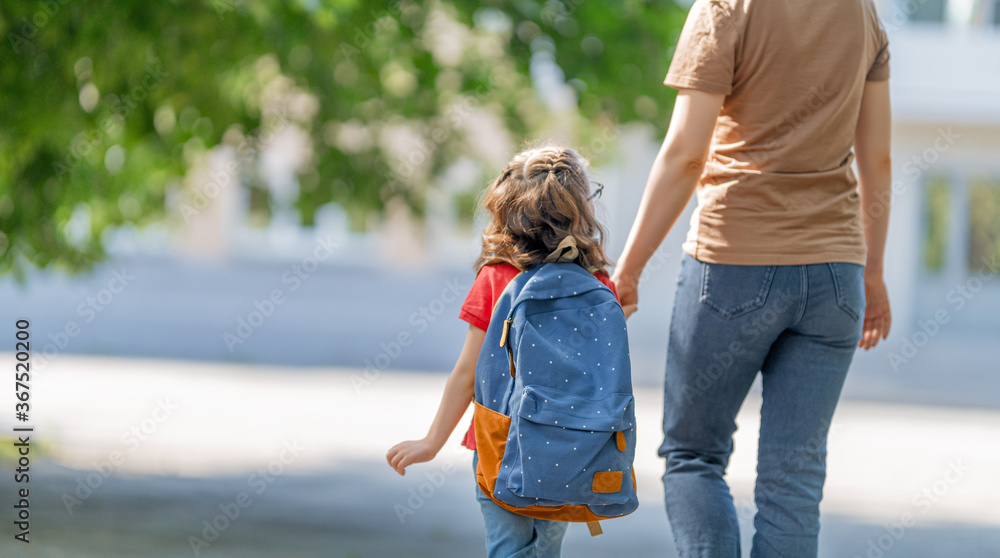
x=458, y=393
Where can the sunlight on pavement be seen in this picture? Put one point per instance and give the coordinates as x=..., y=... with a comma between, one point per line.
x=200, y=419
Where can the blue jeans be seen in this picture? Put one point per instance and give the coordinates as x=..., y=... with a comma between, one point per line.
x=509, y=535
x=798, y=326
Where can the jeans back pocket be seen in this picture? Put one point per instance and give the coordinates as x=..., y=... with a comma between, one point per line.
x=734, y=290
x=849, y=283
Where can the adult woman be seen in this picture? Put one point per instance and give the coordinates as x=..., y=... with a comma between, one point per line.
x=783, y=266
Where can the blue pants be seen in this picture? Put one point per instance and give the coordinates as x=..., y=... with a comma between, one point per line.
x=509, y=535
x=799, y=327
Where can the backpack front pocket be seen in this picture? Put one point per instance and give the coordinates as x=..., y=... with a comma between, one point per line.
x=571, y=449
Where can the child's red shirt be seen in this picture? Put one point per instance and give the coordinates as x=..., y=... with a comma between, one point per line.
x=478, y=306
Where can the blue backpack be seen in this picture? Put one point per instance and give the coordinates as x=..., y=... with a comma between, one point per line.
x=554, y=413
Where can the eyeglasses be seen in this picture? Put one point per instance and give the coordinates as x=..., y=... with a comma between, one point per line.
x=597, y=192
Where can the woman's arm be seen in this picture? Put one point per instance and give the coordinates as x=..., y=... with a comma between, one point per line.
x=872, y=139
x=458, y=393
x=671, y=182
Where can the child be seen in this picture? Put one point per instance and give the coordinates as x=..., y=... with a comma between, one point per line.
x=542, y=197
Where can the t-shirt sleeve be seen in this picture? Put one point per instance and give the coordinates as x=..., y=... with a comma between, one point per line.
x=705, y=58
x=880, y=67
x=490, y=282
x=478, y=303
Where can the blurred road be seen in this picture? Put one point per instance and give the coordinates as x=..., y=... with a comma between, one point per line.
x=141, y=456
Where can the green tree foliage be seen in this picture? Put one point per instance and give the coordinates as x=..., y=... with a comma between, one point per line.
x=104, y=106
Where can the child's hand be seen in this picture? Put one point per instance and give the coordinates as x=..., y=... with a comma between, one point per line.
x=404, y=454
x=628, y=291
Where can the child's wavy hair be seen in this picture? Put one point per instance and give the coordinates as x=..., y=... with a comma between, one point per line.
x=539, y=199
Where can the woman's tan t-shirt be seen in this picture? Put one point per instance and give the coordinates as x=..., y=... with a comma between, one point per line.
x=778, y=188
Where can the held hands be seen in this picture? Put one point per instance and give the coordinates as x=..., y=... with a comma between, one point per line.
x=628, y=291
x=878, y=316
x=404, y=454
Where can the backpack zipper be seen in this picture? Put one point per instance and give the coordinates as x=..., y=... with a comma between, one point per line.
x=506, y=329
x=503, y=343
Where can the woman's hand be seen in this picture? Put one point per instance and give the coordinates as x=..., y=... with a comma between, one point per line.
x=878, y=316
x=404, y=454
x=628, y=291
x=671, y=182
x=873, y=148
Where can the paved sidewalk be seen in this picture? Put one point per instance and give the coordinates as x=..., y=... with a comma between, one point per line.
x=166, y=445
